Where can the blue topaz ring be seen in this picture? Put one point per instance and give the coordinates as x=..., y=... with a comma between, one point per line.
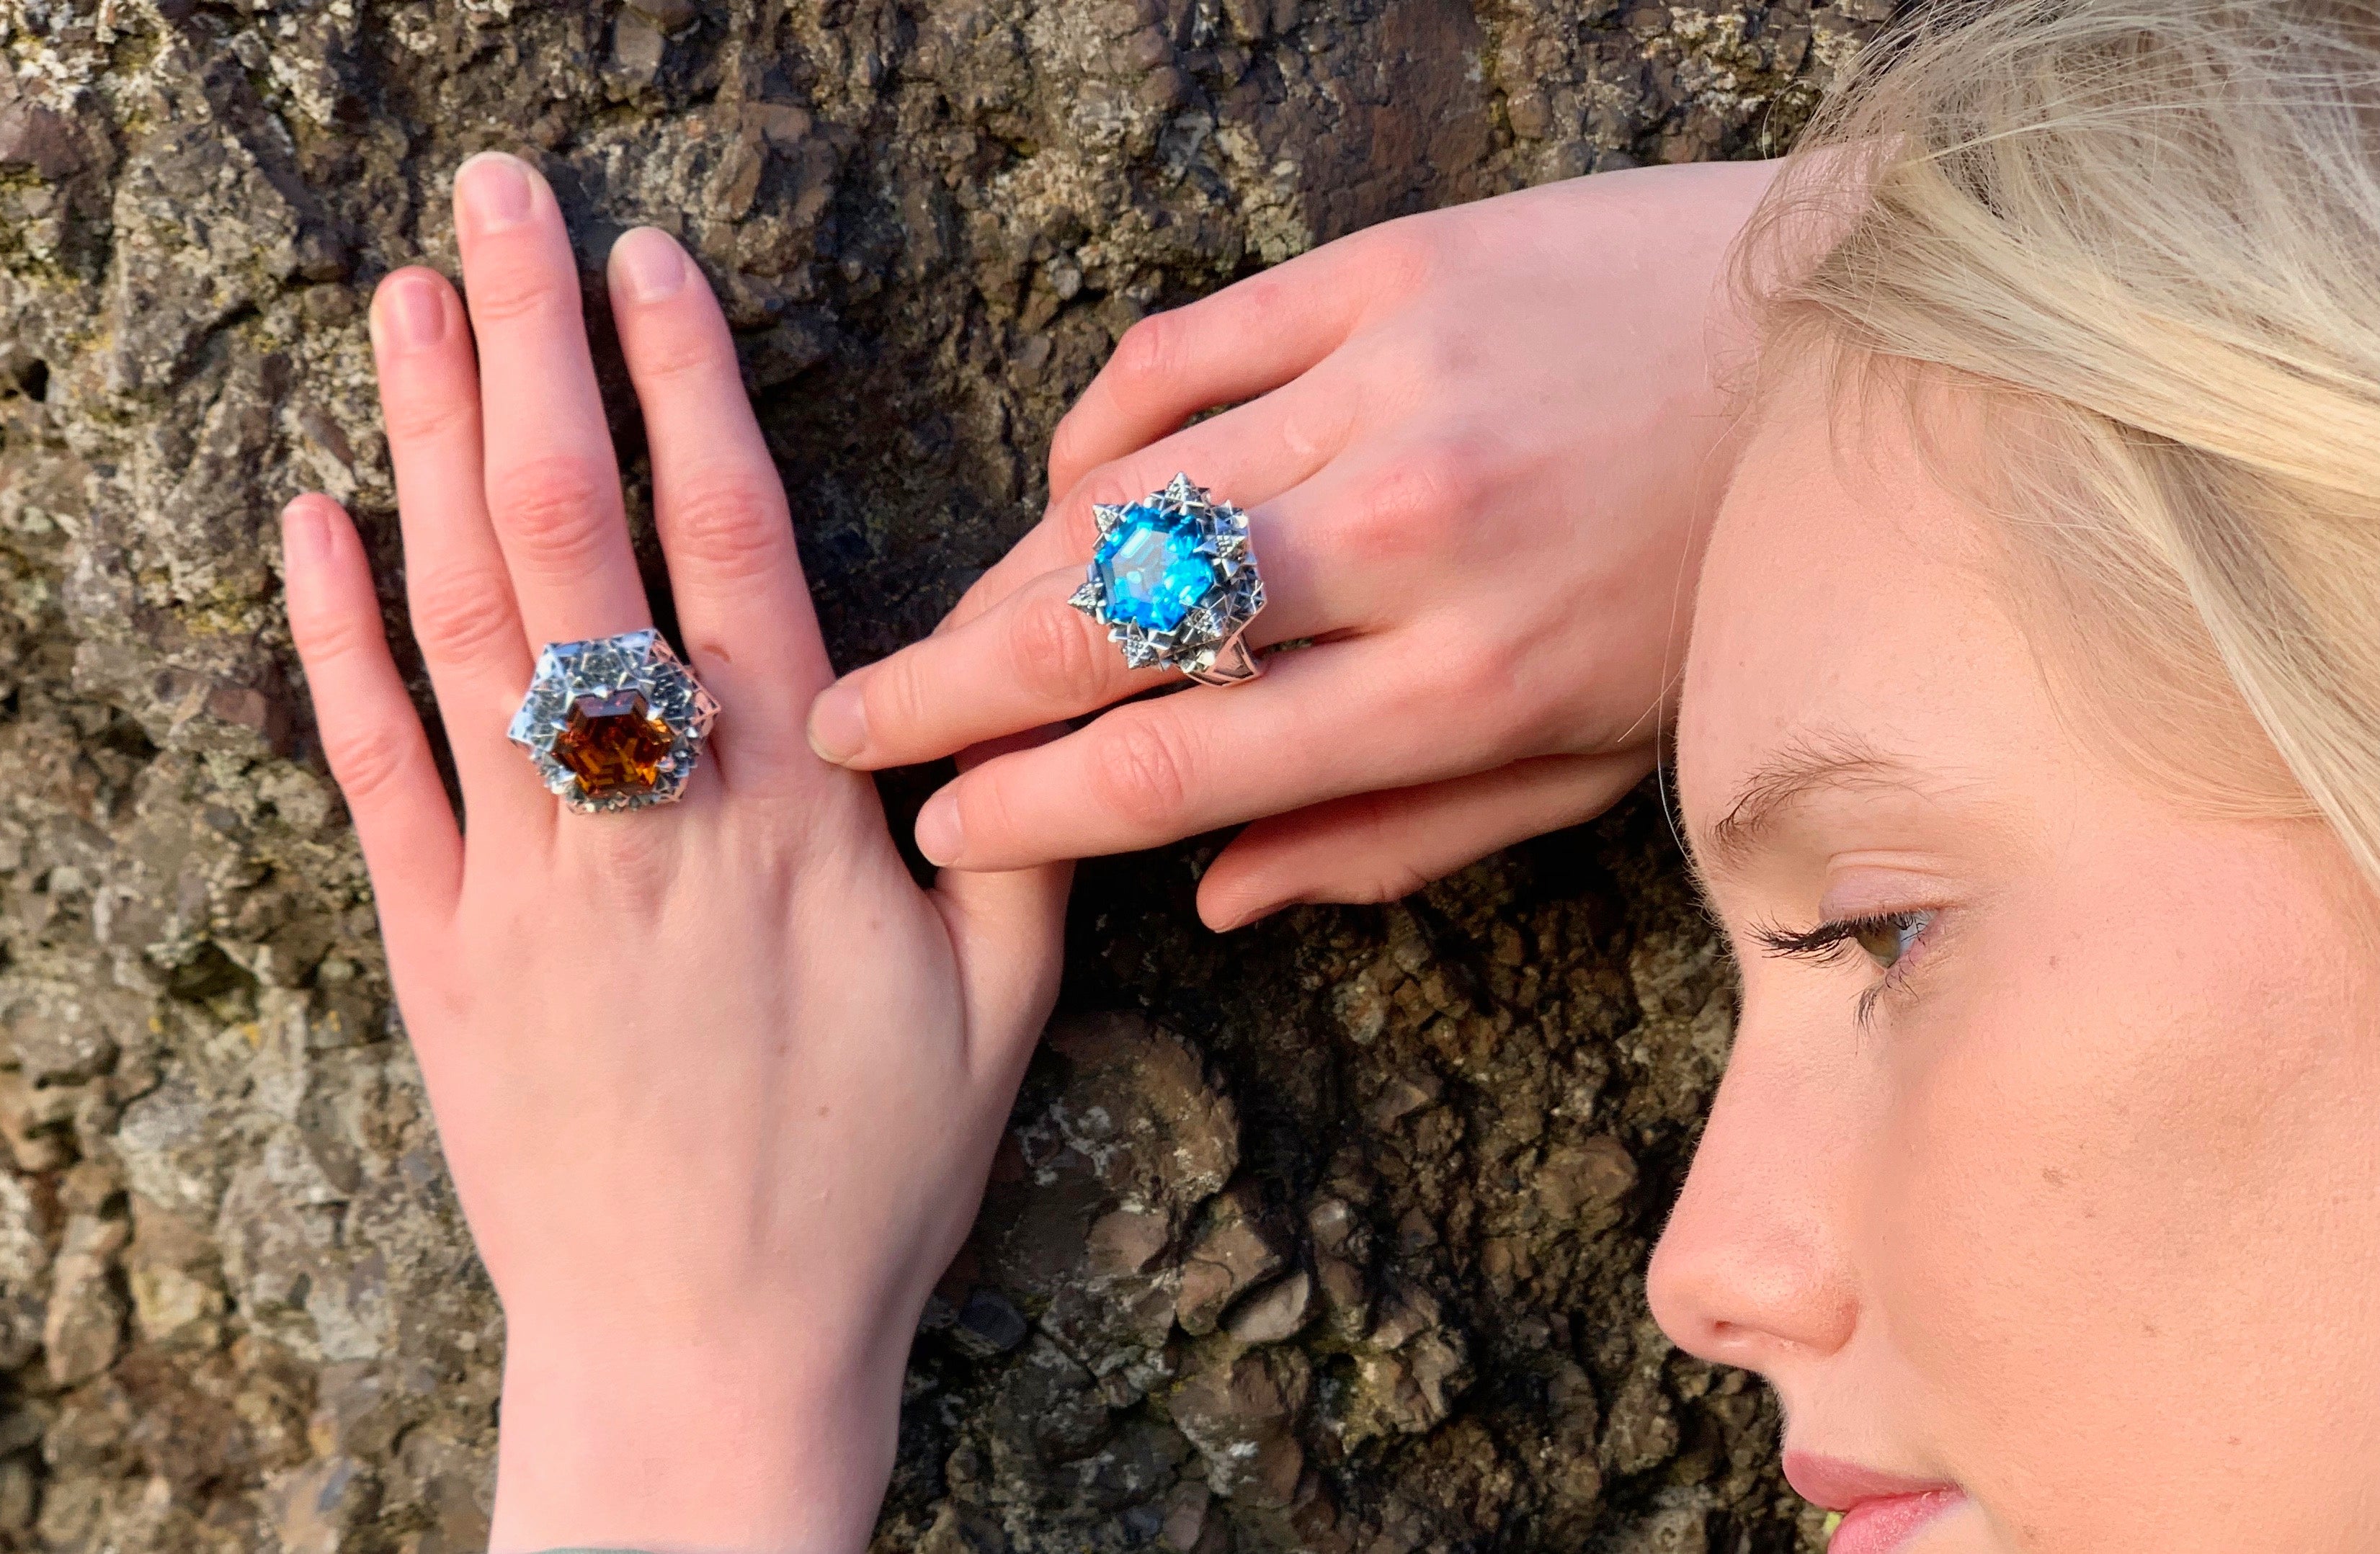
x=613, y=723
x=1174, y=580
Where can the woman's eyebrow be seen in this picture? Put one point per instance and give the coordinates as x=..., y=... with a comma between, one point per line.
x=1802, y=765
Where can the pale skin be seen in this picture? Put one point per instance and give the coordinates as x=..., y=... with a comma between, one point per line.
x=1480, y=448
x=2079, y=1224
x=2074, y=1231
x=718, y=1085
x=747, y=986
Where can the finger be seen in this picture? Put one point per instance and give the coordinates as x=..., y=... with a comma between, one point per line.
x=1034, y=659
x=1379, y=846
x=737, y=582
x=1245, y=456
x=1322, y=723
x=1009, y=931
x=1408, y=509
x=552, y=485
x=1245, y=340
x=372, y=736
x=457, y=592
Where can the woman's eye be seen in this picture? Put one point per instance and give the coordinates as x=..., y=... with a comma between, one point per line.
x=1888, y=938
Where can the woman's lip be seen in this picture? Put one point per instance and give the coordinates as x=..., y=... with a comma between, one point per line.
x=1881, y=1510
x=1838, y=1486
x=1885, y=1523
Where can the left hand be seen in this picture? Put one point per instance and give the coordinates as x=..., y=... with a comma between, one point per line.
x=1481, y=448
x=719, y=1085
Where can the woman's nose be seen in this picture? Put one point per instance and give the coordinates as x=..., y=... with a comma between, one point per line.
x=1753, y=1271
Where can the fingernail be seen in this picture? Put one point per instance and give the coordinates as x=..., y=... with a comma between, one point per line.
x=305, y=531
x=493, y=189
x=407, y=314
x=939, y=835
x=651, y=267
x=838, y=723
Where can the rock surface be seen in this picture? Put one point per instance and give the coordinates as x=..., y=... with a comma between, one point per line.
x=1327, y=1236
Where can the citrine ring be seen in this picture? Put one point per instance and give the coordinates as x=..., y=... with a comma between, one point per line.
x=1174, y=581
x=613, y=723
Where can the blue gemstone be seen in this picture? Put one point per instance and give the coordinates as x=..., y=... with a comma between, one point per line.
x=1150, y=566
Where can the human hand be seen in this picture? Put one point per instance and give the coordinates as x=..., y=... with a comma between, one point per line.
x=1481, y=447
x=718, y=1083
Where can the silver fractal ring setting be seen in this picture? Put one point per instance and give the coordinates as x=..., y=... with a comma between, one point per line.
x=1174, y=581
x=613, y=723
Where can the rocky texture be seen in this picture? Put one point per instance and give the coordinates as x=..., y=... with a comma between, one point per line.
x=1326, y=1236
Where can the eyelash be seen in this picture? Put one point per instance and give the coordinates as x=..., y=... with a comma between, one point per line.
x=1824, y=943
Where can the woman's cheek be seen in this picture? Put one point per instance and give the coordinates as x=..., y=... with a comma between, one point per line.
x=2088, y=1126
x=1978, y=1243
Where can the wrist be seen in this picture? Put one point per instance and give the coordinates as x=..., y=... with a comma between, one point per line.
x=761, y=1436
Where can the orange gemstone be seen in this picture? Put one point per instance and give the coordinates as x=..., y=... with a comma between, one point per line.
x=614, y=744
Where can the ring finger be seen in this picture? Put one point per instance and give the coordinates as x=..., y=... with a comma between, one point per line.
x=554, y=486
x=1034, y=659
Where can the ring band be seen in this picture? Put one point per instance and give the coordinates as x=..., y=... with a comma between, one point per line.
x=613, y=723
x=1174, y=580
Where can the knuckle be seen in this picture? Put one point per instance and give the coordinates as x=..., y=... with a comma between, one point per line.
x=674, y=354
x=1148, y=357
x=1424, y=361
x=323, y=634
x=514, y=292
x=1474, y=671
x=630, y=868
x=1259, y=306
x=985, y=810
x=553, y=508
x=1387, y=880
x=898, y=697
x=1448, y=478
x=455, y=619
x=1420, y=503
x=1070, y=447
x=729, y=525
x=368, y=762
x=1401, y=256
x=1390, y=873
x=1053, y=654
x=414, y=418
x=1141, y=770
x=1315, y=427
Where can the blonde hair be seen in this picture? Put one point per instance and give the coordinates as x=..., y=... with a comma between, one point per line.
x=2149, y=231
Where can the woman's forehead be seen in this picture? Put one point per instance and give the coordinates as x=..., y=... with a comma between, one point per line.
x=1844, y=620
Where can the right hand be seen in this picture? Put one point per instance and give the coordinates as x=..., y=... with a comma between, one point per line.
x=1481, y=447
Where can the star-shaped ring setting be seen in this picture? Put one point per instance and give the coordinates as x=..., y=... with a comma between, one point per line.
x=1174, y=580
x=613, y=723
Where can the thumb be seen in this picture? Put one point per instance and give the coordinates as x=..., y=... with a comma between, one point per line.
x=1009, y=930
